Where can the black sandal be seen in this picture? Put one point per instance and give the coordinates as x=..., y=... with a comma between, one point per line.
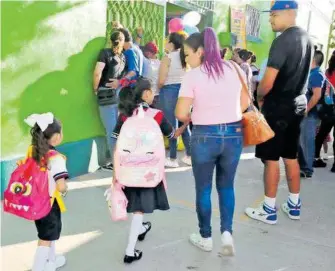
x=137, y=256
x=147, y=225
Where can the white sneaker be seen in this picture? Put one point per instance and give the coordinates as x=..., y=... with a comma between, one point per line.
x=291, y=209
x=228, y=248
x=173, y=163
x=263, y=213
x=187, y=160
x=53, y=266
x=206, y=244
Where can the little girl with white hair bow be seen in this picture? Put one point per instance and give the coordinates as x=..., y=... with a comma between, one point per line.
x=46, y=134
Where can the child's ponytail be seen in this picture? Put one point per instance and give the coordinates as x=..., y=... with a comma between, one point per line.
x=40, y=140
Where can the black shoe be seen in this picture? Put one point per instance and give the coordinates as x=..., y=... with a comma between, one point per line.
x=147, y=225
x=333, y=169
x=319, y=163
x=137, y=256
x=108, y=167
x=305, y=175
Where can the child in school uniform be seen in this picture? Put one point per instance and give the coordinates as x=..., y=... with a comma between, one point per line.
x=46, y=134
x=142, y=200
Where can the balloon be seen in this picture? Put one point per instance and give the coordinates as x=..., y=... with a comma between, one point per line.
x=192, y=18
x=191, y=29
x=175, y=25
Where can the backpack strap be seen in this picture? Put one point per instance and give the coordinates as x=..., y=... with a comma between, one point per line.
x=151, y=112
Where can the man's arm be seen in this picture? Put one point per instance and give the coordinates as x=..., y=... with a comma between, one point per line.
x=267, y=83
x=314, y=99
x=316, y=82
x=133, y=69
x=277, y=58
x=99, y=67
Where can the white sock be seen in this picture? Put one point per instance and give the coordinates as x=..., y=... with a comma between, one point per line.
x=41, y=258
x=294, y=198
x=271, y=202
x=135, y=229
x=52, y=252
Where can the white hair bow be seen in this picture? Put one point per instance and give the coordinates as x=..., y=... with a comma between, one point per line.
x=42, y=120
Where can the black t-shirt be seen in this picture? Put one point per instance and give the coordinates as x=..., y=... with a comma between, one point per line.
x=114, y=68
x=291, y=54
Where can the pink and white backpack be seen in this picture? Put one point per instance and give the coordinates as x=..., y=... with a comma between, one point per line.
x=140, y=152
x=27, y=194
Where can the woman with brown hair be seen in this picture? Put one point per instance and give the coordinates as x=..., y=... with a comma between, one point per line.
x=110, y=65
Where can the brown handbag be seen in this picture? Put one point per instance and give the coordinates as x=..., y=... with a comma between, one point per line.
x=256, y=130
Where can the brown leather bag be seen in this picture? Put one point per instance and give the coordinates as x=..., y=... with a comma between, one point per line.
x=256, y=130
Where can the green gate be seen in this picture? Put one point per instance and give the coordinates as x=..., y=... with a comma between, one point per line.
x=132, y=14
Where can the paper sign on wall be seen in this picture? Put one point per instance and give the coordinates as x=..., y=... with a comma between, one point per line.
x=237, y=25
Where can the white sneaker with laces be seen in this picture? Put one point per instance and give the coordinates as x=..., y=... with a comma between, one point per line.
x=172, y=163
x=263, y=213
x=187, y=160
x=53, y=266
x=228, y=248
x=206, y=244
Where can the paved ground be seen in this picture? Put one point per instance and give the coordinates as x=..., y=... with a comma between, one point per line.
x=92, y=242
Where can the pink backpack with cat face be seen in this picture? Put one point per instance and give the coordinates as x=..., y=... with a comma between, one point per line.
x=140, y=152
x=27, y=194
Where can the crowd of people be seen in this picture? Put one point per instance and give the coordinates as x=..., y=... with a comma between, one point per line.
x=195, y=93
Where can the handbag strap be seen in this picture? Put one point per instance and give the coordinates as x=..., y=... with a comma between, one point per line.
x=244, y=85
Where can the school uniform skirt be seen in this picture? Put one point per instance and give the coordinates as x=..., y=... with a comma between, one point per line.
x=146, y=200
x=49, y=227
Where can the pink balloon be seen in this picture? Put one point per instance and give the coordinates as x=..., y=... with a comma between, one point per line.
x=175, y=25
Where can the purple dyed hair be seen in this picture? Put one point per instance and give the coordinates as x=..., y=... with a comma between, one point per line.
x=211, y=60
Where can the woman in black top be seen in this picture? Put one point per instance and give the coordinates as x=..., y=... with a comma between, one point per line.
x=111, y=64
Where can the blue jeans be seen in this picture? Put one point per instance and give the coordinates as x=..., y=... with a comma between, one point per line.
x=168, y=97
x=307, y=144
x=109, y=115
x=217, y=146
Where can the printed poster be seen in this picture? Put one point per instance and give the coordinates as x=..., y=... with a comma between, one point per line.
x=237, y=25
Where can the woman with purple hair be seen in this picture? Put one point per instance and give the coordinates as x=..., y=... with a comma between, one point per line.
x=214, y=91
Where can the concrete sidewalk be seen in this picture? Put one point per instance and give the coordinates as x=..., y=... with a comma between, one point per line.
x=92, y=242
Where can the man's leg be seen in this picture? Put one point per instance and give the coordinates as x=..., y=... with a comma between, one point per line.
x=292, y=168
x=307, y=146
x=269, y=152
x=271, y=179
x=303, y=146
x=292, y=175
x=109, y=115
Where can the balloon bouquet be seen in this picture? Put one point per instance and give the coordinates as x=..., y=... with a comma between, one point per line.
x=187, y=25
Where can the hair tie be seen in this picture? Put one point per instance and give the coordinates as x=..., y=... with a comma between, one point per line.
x=42, y=120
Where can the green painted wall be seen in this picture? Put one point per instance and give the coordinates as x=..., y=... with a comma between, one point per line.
x=49, y=49
x=221, y=23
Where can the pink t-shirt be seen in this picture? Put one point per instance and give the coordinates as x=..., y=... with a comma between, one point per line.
x=214, y=101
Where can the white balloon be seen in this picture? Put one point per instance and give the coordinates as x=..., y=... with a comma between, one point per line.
x=192, y=18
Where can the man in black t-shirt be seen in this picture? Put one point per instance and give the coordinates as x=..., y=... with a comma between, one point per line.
x=281, y=96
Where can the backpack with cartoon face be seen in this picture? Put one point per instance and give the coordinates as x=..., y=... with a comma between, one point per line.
x=140, y=151
x=27, y=194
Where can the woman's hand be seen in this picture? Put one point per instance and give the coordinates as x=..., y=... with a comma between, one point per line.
x=114, y=83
